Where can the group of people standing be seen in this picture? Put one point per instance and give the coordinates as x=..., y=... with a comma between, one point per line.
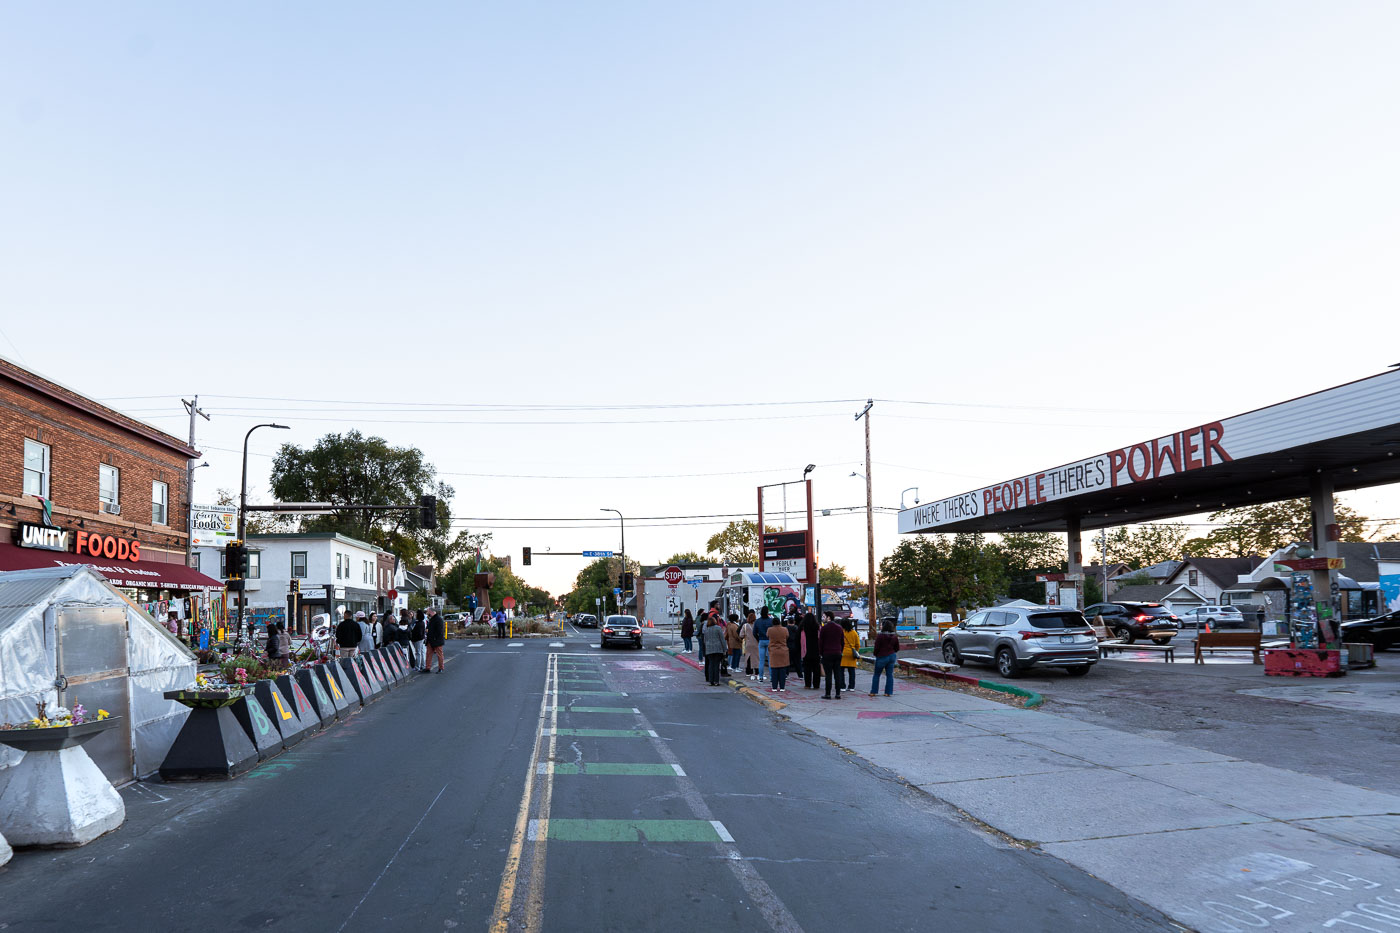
x=421, y=635
x=821, y=654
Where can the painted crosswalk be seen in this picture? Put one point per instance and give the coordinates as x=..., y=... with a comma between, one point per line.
x=611, y=768
x=601, y=733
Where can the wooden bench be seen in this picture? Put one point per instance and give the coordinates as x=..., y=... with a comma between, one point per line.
x=1228, y=641
x=1168, y=650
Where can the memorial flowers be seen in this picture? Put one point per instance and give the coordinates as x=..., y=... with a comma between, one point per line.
x=56, y=717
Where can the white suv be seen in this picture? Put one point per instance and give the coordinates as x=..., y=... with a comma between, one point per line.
x=1214, y=616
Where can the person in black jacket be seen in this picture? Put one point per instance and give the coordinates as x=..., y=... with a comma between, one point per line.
x=811, y=654
x=347, y=635
x=390, y=629
x=416, y=633
x=436, y=638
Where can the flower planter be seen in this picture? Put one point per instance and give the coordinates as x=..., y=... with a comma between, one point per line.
x=56, y=796
x=53, y=738
x=207, y=699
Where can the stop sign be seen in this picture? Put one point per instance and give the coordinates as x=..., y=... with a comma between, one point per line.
x=508, y=602
x=673, y=575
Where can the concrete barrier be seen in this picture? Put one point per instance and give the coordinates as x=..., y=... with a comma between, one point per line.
x=386, y=667
x=266, y=737
x=355, y=679
x=58, y=798
x=375, y=670
x=282, y=713
x=301, y=703
x=316, y=692
x=377, y=663
x=211, y=745
x=396, y=655
x=346, y=682
x=376, y=690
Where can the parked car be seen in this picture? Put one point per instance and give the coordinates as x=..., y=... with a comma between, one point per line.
x=1020, y=639
x=622, y=628
x=1383, y=631
x=455, y=618
x=1131, y=621
x=586, y=620
x=1214, y=616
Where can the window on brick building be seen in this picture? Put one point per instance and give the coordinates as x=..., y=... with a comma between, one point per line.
x=298, y=565
x=109, y=488
x=36, y=468
x=160, y=502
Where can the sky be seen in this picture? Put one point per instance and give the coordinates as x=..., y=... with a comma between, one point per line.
x=576, y=252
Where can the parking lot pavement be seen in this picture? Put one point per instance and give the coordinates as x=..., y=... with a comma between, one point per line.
x=1341, y=728
x=1217, y=842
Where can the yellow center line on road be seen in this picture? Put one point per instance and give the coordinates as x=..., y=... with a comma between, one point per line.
x=505, y=897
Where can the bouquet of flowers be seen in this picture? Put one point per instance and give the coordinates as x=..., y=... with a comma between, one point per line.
x=57, y=717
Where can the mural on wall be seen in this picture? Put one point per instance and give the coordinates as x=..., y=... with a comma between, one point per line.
x=1390, y=586
x=781, y=600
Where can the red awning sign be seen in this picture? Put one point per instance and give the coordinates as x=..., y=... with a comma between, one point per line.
x=148, y=574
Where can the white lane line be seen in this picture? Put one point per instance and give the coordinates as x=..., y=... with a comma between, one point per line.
x=680, y=772
x=521, y=644
x=556, y=644
x=479, y=644
x=723, y=833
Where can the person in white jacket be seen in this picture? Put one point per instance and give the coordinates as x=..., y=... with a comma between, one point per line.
x=366, y=636
x=376, y=629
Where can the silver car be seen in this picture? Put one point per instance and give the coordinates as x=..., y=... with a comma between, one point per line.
x=1020, y=639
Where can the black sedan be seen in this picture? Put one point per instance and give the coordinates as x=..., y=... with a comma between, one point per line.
x=586, y=620
x=1382, y=632
x=625, y=629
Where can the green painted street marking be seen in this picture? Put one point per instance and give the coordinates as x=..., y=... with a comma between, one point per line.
x=597, y=709
x=604, y=733
x=638, y=769
x=592, y=693
x=581, y=680
x=629, y=831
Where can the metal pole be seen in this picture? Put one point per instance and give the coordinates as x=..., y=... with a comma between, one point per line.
x=872, y=615
x=622, y=580
x=193, y=408
x=243, y=510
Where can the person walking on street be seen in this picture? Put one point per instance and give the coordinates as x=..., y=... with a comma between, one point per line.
x=500, y=618
x=760, y=631
x=734, y=637
x=750, y=648
x=284, y=646
x=416, y=633
x=714, y=649
x=347, y=636
x=850, y=654
x=811, y=656
x=778, y=658
x=436, y=637
x=886, y=655
x=831, y=639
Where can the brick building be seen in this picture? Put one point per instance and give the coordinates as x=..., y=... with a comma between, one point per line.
x=82, y=483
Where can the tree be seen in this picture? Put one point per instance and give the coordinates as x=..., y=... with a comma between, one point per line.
x=833, y=574
x=351, y=469
x=683, y=557
x=258, y=523
x=737, y=542
x=945, y=574
x=597, y=581
x=1141, y=546
x=1025, y=554
x=1263, y=529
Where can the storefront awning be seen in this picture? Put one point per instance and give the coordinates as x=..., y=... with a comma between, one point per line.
x=150, y=575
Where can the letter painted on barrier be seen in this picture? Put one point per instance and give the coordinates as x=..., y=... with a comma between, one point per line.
x=260, y=720
x=277, y=700
x=321, y=699
x=335, y=688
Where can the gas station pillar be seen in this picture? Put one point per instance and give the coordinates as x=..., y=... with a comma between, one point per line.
x=1074, y=550
x=1324, y=542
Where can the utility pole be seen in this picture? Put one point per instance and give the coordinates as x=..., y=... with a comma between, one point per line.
x=191, y=406
x=872, y=614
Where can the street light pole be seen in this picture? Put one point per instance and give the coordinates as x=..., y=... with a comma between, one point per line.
x=622, y=581
x=243, y=508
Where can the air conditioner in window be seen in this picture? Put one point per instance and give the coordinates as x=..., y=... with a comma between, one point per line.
x=112, y=508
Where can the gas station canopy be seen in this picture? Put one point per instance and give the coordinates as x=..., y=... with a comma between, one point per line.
x=1348, y=435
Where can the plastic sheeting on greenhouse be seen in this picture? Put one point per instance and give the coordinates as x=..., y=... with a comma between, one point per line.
x=33, y=606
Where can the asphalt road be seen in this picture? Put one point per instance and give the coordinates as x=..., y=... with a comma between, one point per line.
x=556, y=788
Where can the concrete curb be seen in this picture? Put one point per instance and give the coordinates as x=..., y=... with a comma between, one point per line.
x=909, y=672
x=766, y=701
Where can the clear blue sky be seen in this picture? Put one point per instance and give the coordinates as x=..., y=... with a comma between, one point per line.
x=1165, y=210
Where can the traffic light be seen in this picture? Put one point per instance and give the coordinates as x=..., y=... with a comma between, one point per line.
x=627, y=582
x=233, y=560
x=427, y=512
x=526, y=556
x=296, y=587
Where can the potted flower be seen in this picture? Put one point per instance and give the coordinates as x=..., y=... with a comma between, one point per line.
x=55, y=728
x=210, y=691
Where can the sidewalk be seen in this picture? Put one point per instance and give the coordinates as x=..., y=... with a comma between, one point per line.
x=1218, y=843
